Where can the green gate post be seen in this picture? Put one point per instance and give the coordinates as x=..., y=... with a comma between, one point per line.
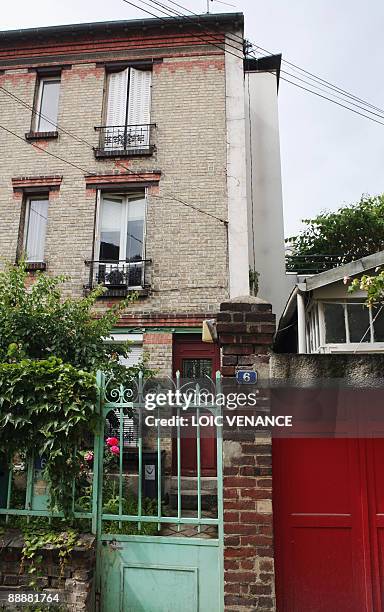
x=4, y=481
x=97, y=492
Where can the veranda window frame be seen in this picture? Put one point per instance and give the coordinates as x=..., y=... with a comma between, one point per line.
x=319, y=334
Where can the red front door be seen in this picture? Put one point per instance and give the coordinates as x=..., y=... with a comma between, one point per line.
x=329, y=519
x=194, y=359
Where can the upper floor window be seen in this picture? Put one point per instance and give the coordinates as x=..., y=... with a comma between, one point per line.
x=47, y=105
x=122, y=227
x=120, y=240
x=127, y=114
x=35, y=229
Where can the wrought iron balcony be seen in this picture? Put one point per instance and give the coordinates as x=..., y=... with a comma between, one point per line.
x=125, y=140
x=118, y=277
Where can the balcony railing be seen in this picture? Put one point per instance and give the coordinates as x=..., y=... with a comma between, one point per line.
x=118, y=277
x=125, y=140
x=313, y=264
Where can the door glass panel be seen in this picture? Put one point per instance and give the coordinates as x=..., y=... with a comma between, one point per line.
x=110, y=230
x=197, y=368
x=135, y=229
x=334, y=323
x=378, y=326
x=358, y=321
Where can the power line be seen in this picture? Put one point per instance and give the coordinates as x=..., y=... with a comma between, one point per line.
x=333, y=101
x=209, y=42
x=35, y=146
x=129, y=171
x=39, y=114
x=176, y=15
x=233, y=37
x=167, y=194
x=368, y=328
x=328, y=83
x=312, y=77
x=381, y=115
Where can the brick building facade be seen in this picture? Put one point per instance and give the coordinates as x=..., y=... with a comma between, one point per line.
x=188, y=161
x=158, y=202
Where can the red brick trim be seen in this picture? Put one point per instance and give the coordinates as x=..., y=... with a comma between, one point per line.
x=157, y=56
x=157, y=338
x=111, y=44
x=25, y=183
x=100, y=180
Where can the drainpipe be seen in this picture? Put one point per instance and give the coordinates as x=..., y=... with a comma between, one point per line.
x=302, y=344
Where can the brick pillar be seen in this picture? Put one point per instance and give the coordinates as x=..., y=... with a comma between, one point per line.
x=245, y=329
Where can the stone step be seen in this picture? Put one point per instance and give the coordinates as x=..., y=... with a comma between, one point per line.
x=189, y=500
x=208, y=483
x=193, y=492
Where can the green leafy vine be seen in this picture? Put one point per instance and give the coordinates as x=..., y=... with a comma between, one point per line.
x=35, y=539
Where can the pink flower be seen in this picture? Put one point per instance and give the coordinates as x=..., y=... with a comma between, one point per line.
x=88, y=456
x=112, y=441
x=346, y=280
x=115, y=450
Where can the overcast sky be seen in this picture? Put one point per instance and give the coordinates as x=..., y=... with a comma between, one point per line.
x=329, y=155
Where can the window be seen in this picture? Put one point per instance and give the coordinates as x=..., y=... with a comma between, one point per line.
x=121, y=239
x=130, y=423
x=127, y=116
x=352, y=323
x=359, y=323
x=47, y=104
x=334, y=323
x=36, y=216
x=197, y=368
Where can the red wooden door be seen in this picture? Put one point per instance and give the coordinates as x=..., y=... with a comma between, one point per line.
x=194, y=358
x=329, y=524
x=375, y=478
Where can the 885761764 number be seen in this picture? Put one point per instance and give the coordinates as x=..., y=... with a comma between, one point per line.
x=28, y=598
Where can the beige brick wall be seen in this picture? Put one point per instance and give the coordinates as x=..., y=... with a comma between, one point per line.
x=188, y=249
x=158, y=347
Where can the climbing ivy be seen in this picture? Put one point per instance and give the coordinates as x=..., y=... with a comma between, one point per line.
x=47, y=407
x=34, y=541
x=51, y=346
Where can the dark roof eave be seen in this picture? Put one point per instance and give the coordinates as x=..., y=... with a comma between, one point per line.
x=132, y=24
x=268, y=63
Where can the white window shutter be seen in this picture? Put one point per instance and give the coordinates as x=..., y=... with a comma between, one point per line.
x=134, y=357
x=139, y=106
x=116, y=109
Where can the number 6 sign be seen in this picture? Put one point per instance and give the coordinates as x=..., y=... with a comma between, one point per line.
x=246, y=377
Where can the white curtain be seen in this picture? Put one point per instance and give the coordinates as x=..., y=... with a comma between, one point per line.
x=37, y=215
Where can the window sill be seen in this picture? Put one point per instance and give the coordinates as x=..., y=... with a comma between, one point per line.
x=102, y=153
x=41, y=135
x=33, y=266
x=120, y=292
x=352, y=347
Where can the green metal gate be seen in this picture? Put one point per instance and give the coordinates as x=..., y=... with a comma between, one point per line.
x=163, y=552
x=159, y=534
